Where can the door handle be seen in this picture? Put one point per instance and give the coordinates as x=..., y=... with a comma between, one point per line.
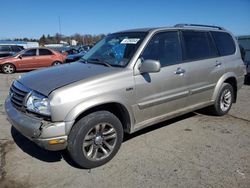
x=180, y=71
x=218, y=64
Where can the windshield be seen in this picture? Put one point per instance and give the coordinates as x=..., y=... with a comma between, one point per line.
x=115, y=49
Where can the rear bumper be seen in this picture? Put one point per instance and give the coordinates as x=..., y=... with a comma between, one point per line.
x=37, y=130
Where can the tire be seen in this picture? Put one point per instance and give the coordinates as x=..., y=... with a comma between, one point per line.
x=223, y=101
x=8, y=68
x=95, y=139
x=56, y=63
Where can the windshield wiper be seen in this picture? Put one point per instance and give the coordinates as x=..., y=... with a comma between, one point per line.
x=98, y=61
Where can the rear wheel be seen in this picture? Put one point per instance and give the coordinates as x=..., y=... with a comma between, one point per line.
x=56, y=63
x=224, y=100
x=95, y=139
x=8, y=68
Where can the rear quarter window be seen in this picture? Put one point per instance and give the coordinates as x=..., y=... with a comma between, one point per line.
x=224, y=43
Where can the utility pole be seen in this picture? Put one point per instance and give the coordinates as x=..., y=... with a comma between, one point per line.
x=59, y=22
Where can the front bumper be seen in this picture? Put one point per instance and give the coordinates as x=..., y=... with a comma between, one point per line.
x=36, y=129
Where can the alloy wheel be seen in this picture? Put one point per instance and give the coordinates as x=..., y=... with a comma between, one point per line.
x=226, y=100
x=99, y=142
x=8, y=68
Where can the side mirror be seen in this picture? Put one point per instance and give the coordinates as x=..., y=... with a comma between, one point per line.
x=149, y=66
x=20, y=56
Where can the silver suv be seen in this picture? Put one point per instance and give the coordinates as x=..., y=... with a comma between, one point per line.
x=129, y=80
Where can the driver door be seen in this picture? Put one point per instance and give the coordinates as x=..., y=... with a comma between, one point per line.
x=28, y=59
x=161, y=93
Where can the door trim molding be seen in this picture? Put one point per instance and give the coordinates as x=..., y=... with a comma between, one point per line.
x=163, y=99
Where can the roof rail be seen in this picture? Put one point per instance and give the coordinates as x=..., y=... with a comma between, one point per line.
x=199, y=25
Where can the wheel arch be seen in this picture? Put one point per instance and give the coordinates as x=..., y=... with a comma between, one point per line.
x=229, y=78
x=118, y=109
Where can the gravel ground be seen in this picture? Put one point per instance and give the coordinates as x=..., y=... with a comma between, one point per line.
x=194, y=150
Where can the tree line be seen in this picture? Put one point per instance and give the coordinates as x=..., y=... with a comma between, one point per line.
x=57, y=38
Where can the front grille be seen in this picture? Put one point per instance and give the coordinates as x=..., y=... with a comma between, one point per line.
x=18, y=94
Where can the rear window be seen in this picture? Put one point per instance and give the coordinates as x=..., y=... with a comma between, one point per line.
x=224, y=43
x=198, y=45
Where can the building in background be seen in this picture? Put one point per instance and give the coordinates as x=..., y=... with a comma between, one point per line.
x=20, y=43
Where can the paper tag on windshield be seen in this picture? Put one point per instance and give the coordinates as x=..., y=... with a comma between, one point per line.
x=130, y=41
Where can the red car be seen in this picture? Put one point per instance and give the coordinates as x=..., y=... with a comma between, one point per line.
x=30, y=59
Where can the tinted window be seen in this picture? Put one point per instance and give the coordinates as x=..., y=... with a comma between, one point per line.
x=4, y=48
x=45, y=52
x=224, y=43
x=29, y=53
x=164, y=47
x=198, y=45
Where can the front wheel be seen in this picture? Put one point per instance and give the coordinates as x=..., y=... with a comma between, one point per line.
x=95, y=139
x=56, y=63
x=8, y=68
x=224, y=100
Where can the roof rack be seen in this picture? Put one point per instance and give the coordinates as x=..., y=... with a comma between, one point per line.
x=199, y=25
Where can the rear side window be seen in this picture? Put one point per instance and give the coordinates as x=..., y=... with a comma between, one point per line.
x=198, y=45
x=224, y=43
x=164, y=47
x=45, y=52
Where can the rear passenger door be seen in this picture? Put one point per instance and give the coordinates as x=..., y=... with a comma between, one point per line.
x=45, y=58
x=160, y=93
x=204, y=65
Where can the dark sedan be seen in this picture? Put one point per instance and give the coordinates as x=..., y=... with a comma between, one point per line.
x=75, y=57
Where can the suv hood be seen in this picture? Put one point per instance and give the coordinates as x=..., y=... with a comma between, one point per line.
x=45, y=81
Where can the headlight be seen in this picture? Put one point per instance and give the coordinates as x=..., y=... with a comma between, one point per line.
x=38, y=103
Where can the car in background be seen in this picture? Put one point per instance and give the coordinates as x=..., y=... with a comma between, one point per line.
x=9, y=50
x=61, y=49
x=75, y=57
x=244, y=44
x=30, y=59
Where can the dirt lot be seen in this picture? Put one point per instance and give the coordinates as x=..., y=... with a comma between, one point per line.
x=194, y=150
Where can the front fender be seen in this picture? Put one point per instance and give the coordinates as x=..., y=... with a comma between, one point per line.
x=87, y=105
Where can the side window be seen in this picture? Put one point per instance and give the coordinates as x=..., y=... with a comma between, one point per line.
x=4, y=48
x=224, y=43
x=16, y=48
x=29, y=53
x=164, y=47
x=45, y=52
x=198, y=45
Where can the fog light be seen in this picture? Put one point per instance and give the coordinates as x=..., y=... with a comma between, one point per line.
x=57, y=141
